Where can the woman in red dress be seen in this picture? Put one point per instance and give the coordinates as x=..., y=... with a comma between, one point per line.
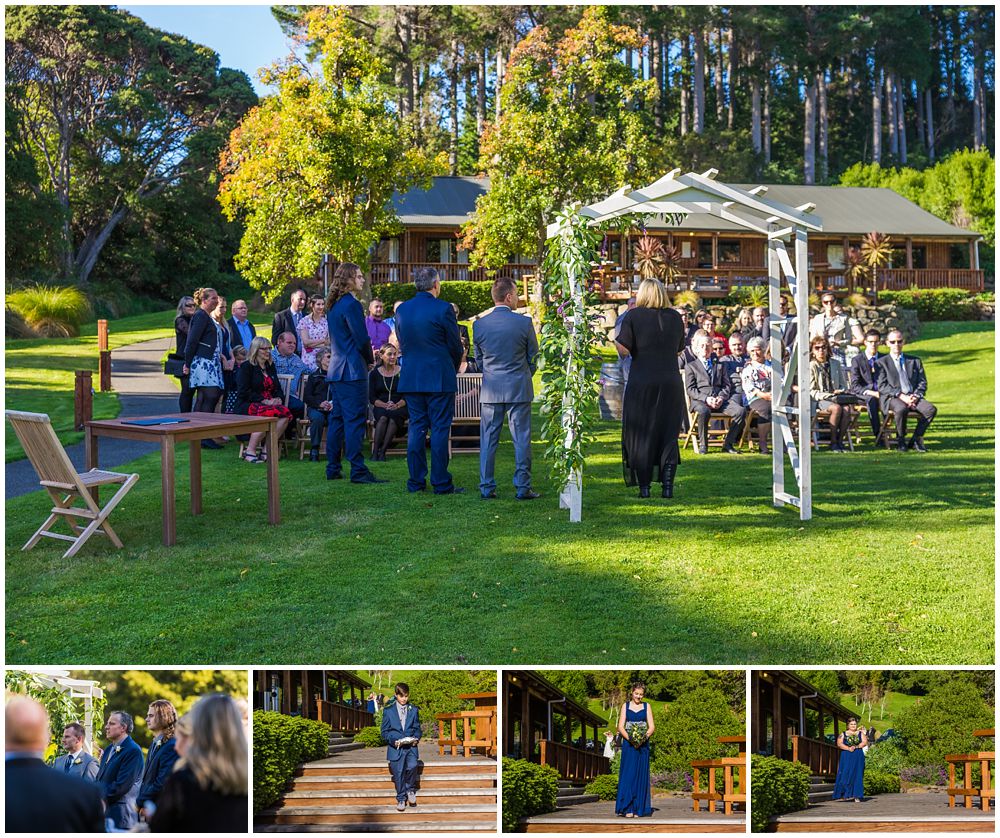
x=260, y=394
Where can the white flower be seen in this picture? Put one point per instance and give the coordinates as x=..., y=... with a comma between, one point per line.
x=77, y=761
x=117, y=748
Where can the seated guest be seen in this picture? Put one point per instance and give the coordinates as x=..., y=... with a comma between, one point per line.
x=735, y=361
x=388, y=407
x=463, y=330
x=755, y=381
x=758, y=325
x=208, y=790
x=378, y=329
x=161, y=719
x=827, y=381
x=862, y=377
x=286, y=362
x=689, y=328
x=708, y=325
x=391, y=321
x=902, y=385
x=711, y=390
x=318, y=404
x=839, y=329
x=231, y=395
x=720, y=347
x=742, y=323
x=260, y=393
x=786, y=325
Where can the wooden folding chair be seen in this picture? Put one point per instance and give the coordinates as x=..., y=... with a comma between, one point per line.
x=65, y=485
x=718, y=426
x=888, y=425
x=467, y=414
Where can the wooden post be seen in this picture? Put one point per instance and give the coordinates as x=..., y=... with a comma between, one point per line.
x=102, y=335
x=104, y=365
x=83, y=399
x=909, y=253
x=778, y=722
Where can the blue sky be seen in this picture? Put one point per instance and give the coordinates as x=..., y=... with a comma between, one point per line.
x=245, y=37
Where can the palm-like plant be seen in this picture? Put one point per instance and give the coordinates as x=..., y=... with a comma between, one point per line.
x=671, y=263
x=876, y=250
x=649, y=257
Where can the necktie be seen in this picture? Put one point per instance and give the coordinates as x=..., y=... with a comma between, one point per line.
x=904, y=380
x=69, y=763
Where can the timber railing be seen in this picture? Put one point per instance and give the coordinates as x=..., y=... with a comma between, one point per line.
x=343, y=718
x=733, y=782
x=478, y=732
x=821, y=757
x=986, y=790
x=573, y=763
x=402, y=272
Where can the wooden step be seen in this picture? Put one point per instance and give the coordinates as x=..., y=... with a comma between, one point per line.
x=333, y=750
x=455, y=781
x=637, y=825
x=576, y=799
x=380, y=768
x=406, y=824
x=379, y=814
x=386, y=797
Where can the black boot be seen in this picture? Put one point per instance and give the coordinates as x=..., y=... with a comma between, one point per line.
x=313, y=455
x=669, y=470
x=644, y=491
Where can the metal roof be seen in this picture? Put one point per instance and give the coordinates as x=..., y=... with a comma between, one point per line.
x=844, y=210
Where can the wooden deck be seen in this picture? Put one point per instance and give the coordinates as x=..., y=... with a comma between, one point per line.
x=915, y=812
x=671, y=813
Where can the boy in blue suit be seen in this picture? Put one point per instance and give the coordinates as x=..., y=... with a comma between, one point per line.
x=121, y=771
x=161, y=721
x=431, y=349
x=401, y=720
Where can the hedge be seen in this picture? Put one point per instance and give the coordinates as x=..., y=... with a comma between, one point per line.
x=370, y=737
x=470, y=297
x=778, y=786
x=605, y=786
x=280, y=743
x=934, y=303
x=528, y=789
x=879, y=782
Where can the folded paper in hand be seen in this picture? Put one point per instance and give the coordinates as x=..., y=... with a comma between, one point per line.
x=407, y=740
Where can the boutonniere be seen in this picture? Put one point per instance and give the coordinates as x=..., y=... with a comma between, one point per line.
x=77, y=761
x=117, y=748
x=157, y=743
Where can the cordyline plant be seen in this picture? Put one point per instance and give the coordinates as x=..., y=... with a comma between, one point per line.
x=569, y=346
x=876, y=250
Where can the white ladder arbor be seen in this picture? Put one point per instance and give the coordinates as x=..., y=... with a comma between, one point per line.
x=676, y=194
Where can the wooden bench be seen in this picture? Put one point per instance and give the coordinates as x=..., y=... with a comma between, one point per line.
x=467, y=414
x=479, y=730
x=733, y=773
x=985, y=792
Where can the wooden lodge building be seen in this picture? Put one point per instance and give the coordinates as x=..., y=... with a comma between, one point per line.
x=335, y=696
x=715, y=254
x=537, y=713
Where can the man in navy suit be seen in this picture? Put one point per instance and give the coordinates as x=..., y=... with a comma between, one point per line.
x=76, y=761
x=39, y=799
x=902, y=384
x=401, y=720
x=350, y=359
x=863, y=378
x=431, y=349
x=121, y=771
x=161, y=720
x=506, y=349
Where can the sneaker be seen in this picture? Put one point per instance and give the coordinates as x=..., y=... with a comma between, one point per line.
x=918, y=445
x=411, y=798
x=400, y=805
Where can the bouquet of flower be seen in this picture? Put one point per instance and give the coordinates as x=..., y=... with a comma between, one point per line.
x=852, y=741
x=636, y=733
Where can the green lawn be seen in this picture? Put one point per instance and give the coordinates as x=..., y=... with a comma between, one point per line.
x=895, y=568
x=884, y=716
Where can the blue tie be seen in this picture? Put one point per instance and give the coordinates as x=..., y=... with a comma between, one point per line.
x=69, y=763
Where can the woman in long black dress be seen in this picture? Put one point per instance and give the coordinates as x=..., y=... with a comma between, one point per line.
x=653, y=405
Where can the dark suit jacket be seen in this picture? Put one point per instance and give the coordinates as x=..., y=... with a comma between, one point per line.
x=235, y=338
x=700, y=385
x=201, y=339
x=392, y=730
x=317, y=390
x=159, y=764
x=888, y=377
x=250, y=385
x=350, y=347
x=429, y=343
x=506, y=350
x=119, y=777
x=42, y=800
x=859, y=374
x=87, y=769
x=283, y=322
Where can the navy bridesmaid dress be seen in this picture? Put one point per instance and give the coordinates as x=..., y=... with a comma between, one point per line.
x=850, y=781
x=634, y=793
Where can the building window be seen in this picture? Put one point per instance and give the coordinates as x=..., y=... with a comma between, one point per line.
x=958, y=256
x=835, y=256
x=729, y=252
x=687, y=249
x=705, y=253
x=438, y=250
x=919, y=256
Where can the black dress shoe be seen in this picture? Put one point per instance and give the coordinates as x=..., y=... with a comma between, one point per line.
x=313, y=455
x=210, y=444
x=918, y=445
x=901, y=446
x=730, y=450
x=337, y=476
x=488, y=495
x=454, y=490
x=368, y=478
x=644, y=491
x=529, y=495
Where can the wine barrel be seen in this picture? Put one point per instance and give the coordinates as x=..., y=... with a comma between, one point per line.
x=612, y=389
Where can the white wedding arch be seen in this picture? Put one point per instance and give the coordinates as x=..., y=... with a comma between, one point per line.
x=786, y=228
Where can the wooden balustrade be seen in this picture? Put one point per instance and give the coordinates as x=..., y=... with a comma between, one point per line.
x=900, y=279
x=573, y=763
x=821, y=757
x=479, y=730
x=343, y=718
x=733, y=783
x=985, y=791
x=402, y=272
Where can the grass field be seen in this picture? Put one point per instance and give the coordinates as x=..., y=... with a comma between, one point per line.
x=883, y=716
x=896, y=566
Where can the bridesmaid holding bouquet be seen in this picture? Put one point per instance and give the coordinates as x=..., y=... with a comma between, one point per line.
x=635, y=725
x=850, y=783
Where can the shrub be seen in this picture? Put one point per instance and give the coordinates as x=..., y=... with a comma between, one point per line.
x=750, y=296
x=924, y=775
x=942, y=722
x=528, y=789
x=778, y=786
x=673, y=780
x=370, y=737
x=933, y=303
x=688, y=729
x=280, y=743
x=52, y=311
x=470, y=297
x=886, y=756
x=879, y=782
x=15, y=326
x=687, y=298
x=605, y=786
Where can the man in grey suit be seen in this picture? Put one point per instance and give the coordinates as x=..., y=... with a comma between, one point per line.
x=506, y=351
x=76, y=761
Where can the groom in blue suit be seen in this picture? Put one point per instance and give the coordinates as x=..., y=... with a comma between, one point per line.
x=431, y=351
x=399, y=721
x=506, y=349
x=121, y=771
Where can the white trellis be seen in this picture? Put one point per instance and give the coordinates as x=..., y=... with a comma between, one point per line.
x=692, y=193
x=83, y=688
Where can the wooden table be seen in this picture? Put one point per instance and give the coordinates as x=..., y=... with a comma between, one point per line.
x=198, y=427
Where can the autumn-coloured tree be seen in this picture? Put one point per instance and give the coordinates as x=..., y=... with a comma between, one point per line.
x=312, y=170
